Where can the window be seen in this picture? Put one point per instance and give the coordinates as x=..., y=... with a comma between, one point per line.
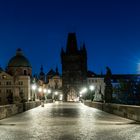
x=20, y=82
x=8, y=83
x=25, y=72
x=8, y=91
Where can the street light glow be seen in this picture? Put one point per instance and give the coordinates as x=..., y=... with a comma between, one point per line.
x=44, y=90
x=61, y=97
x=56, y=93
x=84, y=90
x=91, y=87
x=40, y=89
x=49, y=91
x=34, y=87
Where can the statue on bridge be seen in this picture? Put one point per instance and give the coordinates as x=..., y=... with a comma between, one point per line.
x=108, y=86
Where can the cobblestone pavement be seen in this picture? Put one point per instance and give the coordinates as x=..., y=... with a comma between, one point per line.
x=68, y=121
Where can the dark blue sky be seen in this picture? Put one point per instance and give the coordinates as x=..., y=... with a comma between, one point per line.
x=110, y=29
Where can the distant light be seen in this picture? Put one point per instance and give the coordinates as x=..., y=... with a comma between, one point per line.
x=44, y=90
x=56, y=93
x=34, y=87
x=61, y=97
x=49, y=91
x=40, y=89
x=92, y=87
x=84, y=90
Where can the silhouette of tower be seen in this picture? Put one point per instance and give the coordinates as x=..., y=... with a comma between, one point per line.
x=74, y=68
x=42, y=74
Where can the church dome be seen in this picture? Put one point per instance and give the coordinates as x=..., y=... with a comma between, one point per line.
x=19, y=60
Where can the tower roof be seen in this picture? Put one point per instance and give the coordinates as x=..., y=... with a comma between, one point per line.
x=71, y=43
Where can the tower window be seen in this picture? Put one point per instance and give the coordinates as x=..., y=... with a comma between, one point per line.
x=25, y=72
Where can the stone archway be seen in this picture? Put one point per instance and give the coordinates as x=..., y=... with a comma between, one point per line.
x=72, y=95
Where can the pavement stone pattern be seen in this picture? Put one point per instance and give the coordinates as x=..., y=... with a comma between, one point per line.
x=68, y=121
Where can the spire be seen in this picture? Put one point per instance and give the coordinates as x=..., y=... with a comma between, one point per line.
x=41, y=69
x=56, y=71
x=71, y=43
x=84, y=48
x=42, y=74
x=19, y=52
x=62, y=51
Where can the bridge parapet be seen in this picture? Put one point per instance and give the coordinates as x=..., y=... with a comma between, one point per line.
x=12, y=109
x=126, y=111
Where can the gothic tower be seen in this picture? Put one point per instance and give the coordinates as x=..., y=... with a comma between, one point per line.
x=42, y=74
x=74, y=68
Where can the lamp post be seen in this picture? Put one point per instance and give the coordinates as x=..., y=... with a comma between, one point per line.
x=33, y=96
x=55, y=95
x=45, y=91
x=92, y=88
x=83, y=91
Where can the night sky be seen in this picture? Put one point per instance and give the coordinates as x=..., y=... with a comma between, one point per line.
x=110, y=30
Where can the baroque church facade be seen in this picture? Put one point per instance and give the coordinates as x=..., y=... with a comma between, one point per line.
x=15, y=80
x=74, y=68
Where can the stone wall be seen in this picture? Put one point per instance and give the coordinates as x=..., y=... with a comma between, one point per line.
x=9, y=110
x=126, y=111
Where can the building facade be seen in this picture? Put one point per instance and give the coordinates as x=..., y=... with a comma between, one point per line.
x=15, y=81
x=97, y=81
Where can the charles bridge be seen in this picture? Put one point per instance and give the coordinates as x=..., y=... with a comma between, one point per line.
x=72, y=121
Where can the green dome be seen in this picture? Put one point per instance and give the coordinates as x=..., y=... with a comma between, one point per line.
x=19, y=60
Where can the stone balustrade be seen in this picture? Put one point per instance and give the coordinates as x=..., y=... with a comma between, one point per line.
x=127, y=111
x=12, y=109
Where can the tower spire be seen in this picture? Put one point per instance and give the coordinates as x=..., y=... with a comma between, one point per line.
x=71, y=43
x=41, y=69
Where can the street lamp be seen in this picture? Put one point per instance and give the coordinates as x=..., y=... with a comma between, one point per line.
x=61, y=97
x=40, y=89
x=83, y=91
x=56, y=93
x=92, y=88
x=33, y=89
x=49, y=91
x=44, y=90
